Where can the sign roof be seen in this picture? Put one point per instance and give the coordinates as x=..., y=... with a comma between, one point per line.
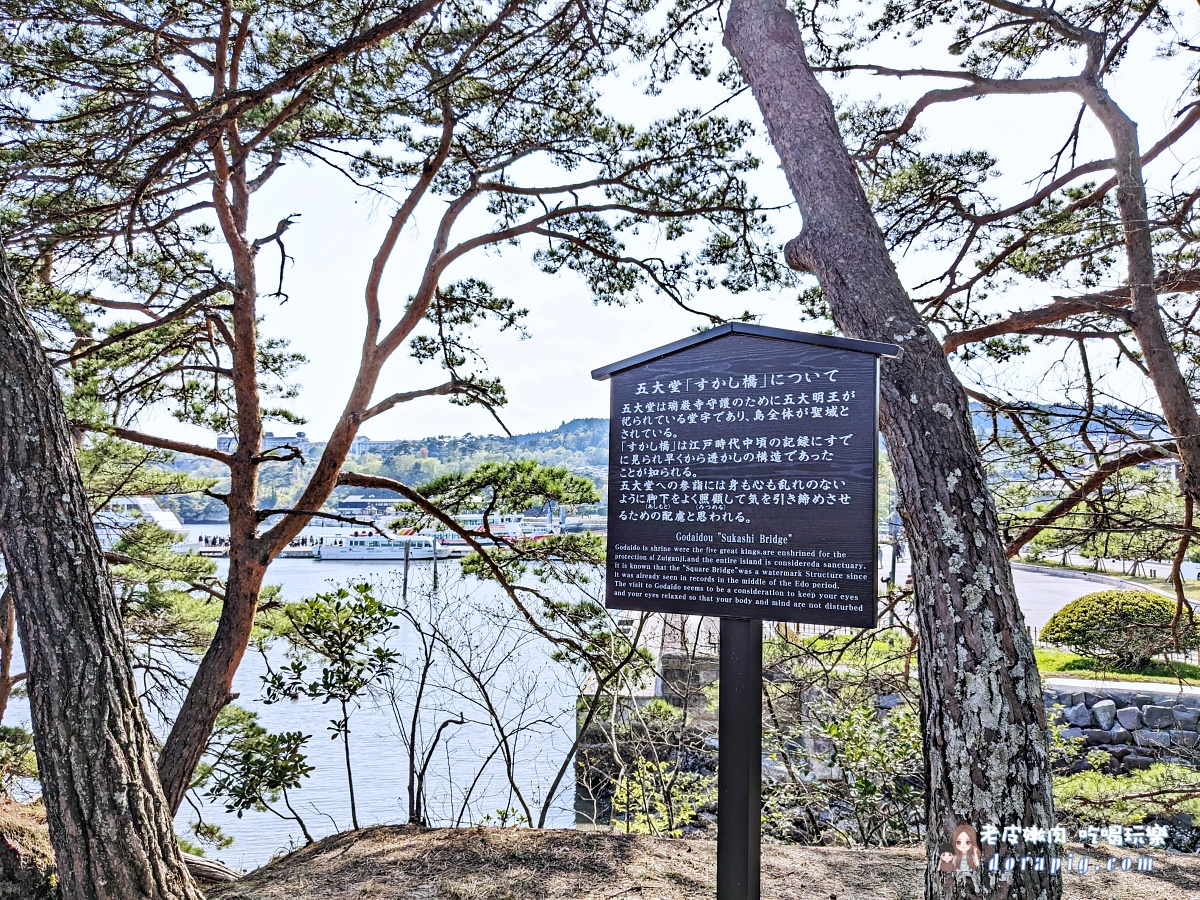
x=779, y=334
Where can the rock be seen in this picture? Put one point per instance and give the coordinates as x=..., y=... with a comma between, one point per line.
x=712, y=743
x=1186, y=719
x=1145, y=738
x=823, y=772
x=1133, y=761
x=1105, y=713
x=820, y=746
x=1130, y=717
x=1079, y=715
x=1182, y=738
x=1121, y=752
x=1096, y=736
x=1139, y=700
x=773, y=771
x=1071, y=734
x=1158, y=716
x=1070, y=698
x=888, y=701
x=1121, y=698
x=1191, y=701
x=1119, y=735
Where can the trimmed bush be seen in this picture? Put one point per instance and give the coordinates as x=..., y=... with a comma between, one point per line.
x=1125, y=629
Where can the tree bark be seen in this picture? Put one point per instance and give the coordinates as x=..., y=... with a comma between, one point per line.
x=982, y=717
x=8, y=631
x=109, y=823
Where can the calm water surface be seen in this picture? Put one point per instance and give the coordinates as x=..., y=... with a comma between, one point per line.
x=534, y=698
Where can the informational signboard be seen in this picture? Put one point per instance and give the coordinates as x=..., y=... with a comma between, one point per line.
x=742, y=477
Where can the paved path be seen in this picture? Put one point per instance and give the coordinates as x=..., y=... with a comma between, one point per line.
x=1041, y=592
x=1103, y=684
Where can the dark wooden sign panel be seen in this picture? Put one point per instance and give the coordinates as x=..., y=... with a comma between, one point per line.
x=742, y=479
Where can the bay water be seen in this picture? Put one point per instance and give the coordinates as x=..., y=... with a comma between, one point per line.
x=518, y=691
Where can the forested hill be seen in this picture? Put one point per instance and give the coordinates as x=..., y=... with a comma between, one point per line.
x=580, y=446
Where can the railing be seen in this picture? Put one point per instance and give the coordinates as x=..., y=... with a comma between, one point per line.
x=797, y=630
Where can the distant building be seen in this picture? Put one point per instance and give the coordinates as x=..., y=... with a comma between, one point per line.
x=363, y=444
x=227, y=443
x=368, y=505
x=270, y=441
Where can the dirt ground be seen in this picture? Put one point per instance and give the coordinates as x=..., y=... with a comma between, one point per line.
x=521, y=864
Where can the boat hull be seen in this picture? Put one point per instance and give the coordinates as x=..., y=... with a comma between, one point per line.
x=380, y=549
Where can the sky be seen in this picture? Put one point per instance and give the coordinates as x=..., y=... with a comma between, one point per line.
x=547, y=376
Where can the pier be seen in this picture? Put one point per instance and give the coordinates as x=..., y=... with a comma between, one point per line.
x=223, y=552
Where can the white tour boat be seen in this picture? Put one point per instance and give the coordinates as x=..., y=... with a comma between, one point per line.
x=503, y=525
x=123, y=513
x=414, y=547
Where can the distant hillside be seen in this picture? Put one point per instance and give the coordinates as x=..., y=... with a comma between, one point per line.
x=580, y=446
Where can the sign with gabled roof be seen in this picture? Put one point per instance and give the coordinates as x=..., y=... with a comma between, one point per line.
x=742, y=477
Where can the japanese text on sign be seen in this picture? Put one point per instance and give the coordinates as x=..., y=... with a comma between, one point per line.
x=742, y=482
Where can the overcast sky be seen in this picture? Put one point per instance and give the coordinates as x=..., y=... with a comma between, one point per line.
x=547, y=376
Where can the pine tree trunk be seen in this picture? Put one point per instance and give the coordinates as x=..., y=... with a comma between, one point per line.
x=981, y=701
x=1145, y=315
x=211, y=687
x=109, y=822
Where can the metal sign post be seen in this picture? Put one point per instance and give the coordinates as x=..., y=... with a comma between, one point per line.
x=407, y=548
x=742, y=484
x=739, y=772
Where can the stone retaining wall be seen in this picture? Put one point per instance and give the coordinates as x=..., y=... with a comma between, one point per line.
x=1136, y=728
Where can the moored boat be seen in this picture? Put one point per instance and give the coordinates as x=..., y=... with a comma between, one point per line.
x=505, y=526
x=374, y=546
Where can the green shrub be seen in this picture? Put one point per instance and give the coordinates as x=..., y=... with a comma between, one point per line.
x=859, y=781
x=656, y=798
x=1163, y=790
x=1124, y=629
x=17, y=762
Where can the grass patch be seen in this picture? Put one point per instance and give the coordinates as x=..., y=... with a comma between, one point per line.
x=883, y=652
x=882, y=656
x=1061, y=662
